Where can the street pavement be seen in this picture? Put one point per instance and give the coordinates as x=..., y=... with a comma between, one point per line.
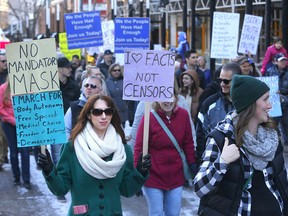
x=39, y=201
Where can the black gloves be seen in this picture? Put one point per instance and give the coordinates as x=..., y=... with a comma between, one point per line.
x=144, y=166
x=194, y=169
x=45, y=162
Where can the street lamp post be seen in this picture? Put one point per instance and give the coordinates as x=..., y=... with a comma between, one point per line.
x=47, y=19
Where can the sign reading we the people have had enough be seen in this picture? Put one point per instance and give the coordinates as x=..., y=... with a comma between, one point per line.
x=32, y=66
x=131, y=33
x=149, y=75
x=83, y=29
x=225, y=35
x=250, y=34
x=39, y=119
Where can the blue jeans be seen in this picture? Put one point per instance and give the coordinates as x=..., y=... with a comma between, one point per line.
x=163, y=202
x=10, y=133
x=55, y=152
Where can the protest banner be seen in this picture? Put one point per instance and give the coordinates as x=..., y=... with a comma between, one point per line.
x=132, y=33
x=108, y=35
x=225, y=35
x=83, y=29
x=149, y=76
x=273, y=84
x=36, y=98
x=39, y=119
x=250, y=34
x=32, y=66
x=63, y=44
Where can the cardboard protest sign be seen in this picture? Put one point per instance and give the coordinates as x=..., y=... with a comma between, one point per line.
x=63, y=44
x=32, y=66
x=39, y=119
x=83, y=29
x=149, y=75
x=132, y=33
x=225, y=35
x=250, y=34
x=37, y=100
x=273, y=84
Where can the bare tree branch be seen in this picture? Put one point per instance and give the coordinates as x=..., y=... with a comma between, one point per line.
x=20, y=9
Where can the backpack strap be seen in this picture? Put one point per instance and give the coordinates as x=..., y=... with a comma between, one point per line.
x=219, y=137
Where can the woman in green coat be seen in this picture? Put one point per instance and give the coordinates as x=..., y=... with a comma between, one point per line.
x=97, y=164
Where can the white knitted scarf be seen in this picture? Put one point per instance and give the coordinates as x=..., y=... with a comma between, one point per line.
x=90, y=151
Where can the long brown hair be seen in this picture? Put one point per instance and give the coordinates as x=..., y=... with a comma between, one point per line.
x=243, y=120
x=83, y=119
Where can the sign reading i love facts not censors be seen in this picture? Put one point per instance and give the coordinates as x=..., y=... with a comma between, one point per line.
x=39, y=119
x=32, y=66
x=149, y=75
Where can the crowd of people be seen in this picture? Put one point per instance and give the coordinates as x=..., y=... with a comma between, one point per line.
x=219, y=119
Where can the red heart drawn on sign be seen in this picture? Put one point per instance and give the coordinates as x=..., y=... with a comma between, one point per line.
x=136, y=57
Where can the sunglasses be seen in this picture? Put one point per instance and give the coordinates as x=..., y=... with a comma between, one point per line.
x=117, y=70
x=3, y=61
x=225, y=81
x=91, y=86
x=98, y=112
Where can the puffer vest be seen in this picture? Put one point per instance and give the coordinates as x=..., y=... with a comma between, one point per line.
x=225, y=199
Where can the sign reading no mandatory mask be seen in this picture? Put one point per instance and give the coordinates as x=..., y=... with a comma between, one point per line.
x=148, y=75
x=36, y=98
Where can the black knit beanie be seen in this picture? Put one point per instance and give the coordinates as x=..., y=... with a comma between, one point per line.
x=245, y=90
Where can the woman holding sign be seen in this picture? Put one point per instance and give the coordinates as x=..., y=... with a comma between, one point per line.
x=243, y=170
x=8, y=121
x=163, y=188
x=97, y=164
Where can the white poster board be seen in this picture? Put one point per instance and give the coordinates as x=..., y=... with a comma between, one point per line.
x=108, y=35
x=250, y=34
x=225, y=35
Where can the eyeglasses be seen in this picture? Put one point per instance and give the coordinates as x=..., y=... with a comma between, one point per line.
x=115, y=70
x=91, y=86
x=3, y=61
x=193, y=57
x=225, y=81
x=98, y=112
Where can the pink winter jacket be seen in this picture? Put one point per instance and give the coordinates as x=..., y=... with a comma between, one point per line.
x=269, y=55
x=6, y=109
